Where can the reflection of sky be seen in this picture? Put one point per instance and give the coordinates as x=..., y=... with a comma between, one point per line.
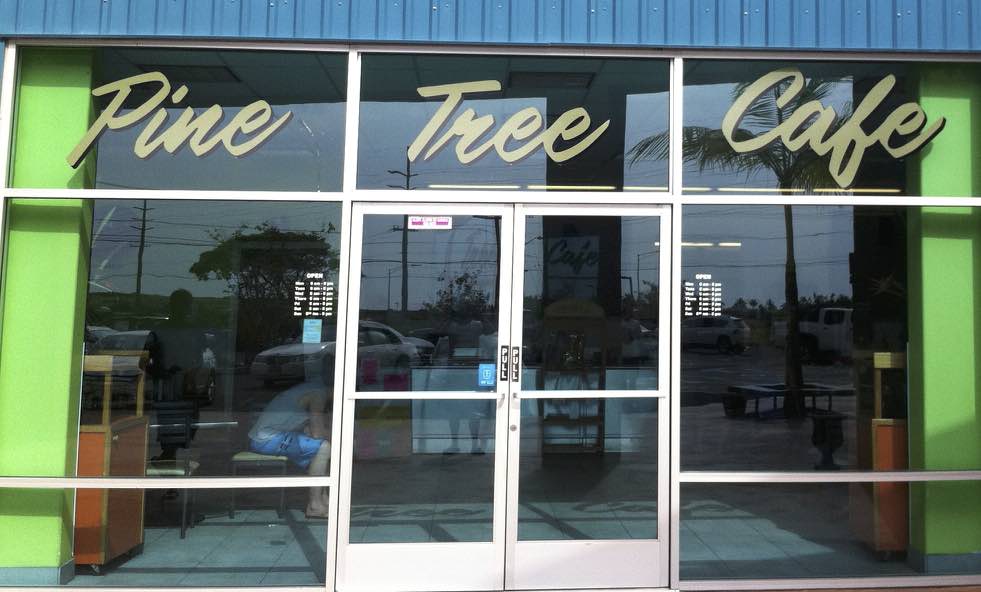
x=439, y=256
x=387, y=128
x=706, y=106
x=647, y=115
x=823, y=239
x=305, y=154
x=639, y=254
x=435, y=258
x=178, y=232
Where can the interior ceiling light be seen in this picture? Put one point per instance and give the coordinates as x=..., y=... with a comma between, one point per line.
x=181, y=74
x=759, y=190
x=492, y=187
x=573, y=187
x=560, y=80
x=857, y=190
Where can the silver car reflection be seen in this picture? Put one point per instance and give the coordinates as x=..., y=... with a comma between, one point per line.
x=299, y=361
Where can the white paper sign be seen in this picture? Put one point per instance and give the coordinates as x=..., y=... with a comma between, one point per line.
x=430, y=222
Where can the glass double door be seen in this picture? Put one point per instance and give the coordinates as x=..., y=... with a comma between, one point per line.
x=505, y=416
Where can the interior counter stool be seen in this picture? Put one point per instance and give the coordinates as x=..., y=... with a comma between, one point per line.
x=255, y=463
x=177, y=468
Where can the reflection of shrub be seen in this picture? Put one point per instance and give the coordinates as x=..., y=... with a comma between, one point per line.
x=461, y=298
x=262, y=265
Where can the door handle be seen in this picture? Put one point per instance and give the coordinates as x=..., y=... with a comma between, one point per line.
x=515, y=364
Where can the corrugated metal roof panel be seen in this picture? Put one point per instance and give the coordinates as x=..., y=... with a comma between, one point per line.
x=932, y=25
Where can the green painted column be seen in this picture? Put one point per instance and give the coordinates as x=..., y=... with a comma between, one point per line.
x=43, y=322
x=945, y=328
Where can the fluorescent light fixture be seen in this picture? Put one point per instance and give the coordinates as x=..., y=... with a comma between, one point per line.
x=731, y=244
x=684, y=244
x=474, y=186
x=696, y=189
x=759, y=190
x=857, y=190
x=574, y=187
x=643, y=188
x=657, y=244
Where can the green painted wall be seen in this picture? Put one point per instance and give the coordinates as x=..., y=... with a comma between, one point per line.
x=45, y=281
x=945, y=325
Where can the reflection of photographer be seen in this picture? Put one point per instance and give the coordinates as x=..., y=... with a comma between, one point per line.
x=181, y=374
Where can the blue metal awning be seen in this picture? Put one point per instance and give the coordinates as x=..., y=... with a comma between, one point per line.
x=890, y=25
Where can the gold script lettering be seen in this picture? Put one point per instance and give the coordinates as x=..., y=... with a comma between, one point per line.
x=524, y=126
x=248, y=129
x=848, y=143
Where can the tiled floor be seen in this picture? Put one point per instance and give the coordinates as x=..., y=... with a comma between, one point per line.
x=775, y=531
x=255, y=548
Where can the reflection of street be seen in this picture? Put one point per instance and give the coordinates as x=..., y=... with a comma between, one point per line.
x=706, y=374
x=710, y=440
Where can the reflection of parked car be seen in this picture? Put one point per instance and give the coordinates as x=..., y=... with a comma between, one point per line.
x=825, y=334
x=647, y=343
x=725, y=333
x=297, y=361
x=198, y=382
x=128, y=341
x=93, y=333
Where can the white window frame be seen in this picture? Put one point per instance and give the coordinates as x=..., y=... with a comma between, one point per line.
x=673, y=198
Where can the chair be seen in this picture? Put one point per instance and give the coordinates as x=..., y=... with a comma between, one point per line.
x=255, y=462
x=175, y=428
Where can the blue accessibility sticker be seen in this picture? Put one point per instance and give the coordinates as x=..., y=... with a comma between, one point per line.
x=486, y=375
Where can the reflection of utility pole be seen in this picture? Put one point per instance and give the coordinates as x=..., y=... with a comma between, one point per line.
x=639, y=284
x=139, y=253
x=405, y=262
x=407, y=175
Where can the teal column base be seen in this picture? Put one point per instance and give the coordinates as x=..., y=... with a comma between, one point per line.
x=944, y=563
x=37, y=576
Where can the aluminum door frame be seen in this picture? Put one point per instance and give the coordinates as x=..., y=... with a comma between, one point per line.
x=414, y=566
x=618, y=563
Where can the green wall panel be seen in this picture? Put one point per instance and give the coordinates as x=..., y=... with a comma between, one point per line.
x=945, y=325
x=45, y=283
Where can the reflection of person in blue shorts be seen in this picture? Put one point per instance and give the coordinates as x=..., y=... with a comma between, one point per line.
x=293, y=425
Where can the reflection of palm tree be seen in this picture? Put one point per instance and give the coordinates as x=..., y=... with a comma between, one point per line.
x=801, y=171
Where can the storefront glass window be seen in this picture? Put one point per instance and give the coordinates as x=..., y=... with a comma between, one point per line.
x=214, y=323
x=204, y=119
x=529, y=123
x=591, y=303
x=430, y=303
x=828, y=530
x=885, y=305
x=830, y=128
x=588, y=469
x=159, y=538
x=424, y=471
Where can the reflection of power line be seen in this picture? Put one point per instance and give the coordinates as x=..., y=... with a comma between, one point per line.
x=754, y=265
x=699, y=237
x=447, y=262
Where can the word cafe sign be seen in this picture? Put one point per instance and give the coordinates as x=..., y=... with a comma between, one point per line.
x=815, y=126
x=472, y=136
